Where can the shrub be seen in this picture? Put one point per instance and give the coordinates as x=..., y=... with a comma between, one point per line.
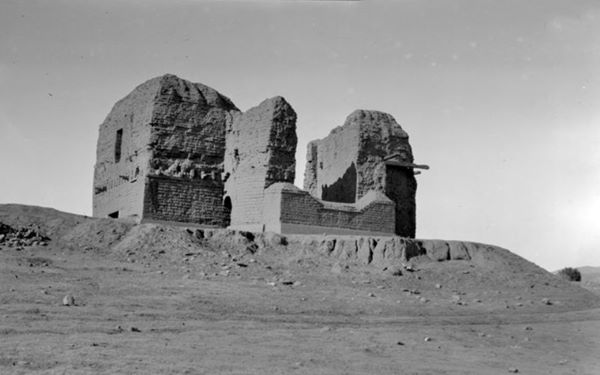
x=571, y=274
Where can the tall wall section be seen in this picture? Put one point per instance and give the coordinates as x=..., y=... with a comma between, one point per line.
x=260, y=150
x=331, y=165
x=122, y=154
x=167, y=127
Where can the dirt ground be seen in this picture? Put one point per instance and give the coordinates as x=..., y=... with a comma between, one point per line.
x=155, y=299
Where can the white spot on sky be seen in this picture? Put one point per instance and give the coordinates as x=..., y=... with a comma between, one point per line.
x=473, y=44
x=520, y=39
x=408, y=56
x=455, y=57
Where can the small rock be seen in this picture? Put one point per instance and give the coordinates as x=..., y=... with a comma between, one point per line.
x=68, y=300
x=427, y=339
x=513, y=370
x=528, y=328
x=546, y=301
x=371, y=295
x=338, y=268
x=119, y=329
x=287, y=282
x=400, y=343
x=325, y=329
x=134, y=329
x=438, y=286
x=423, y=300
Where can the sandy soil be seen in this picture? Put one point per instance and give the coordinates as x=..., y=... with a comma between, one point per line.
x=155, y=299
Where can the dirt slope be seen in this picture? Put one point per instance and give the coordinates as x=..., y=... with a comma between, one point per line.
x=218, y=301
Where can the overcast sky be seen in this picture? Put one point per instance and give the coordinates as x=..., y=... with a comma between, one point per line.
x=500, y=98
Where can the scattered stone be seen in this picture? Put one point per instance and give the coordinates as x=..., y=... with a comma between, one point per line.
x=394, y=270
x=338, y=268
x=409, y=267
x=528, y=328
x=21, y=237
x=68, y=300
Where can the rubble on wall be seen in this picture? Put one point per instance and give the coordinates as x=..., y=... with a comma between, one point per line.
x=188, y=129
x=21, y=237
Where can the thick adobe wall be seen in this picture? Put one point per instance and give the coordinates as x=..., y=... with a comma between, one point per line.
x=122, y=154
x=294, y=211
x=331, y=165
x=260, y=149
x=175, y=199
x=166, y=127
x=357, y=158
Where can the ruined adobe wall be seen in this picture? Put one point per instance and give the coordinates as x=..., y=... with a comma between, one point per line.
x=292, y=210
x=176, y=199
x=331, y=165
x=349, y=162
x=260, y=149
x=380, y=136
x=170, y=127
x=117, y=174
x=188, y=129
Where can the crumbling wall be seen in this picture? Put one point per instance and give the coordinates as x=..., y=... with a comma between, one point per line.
x=260, y=150
x=188, y=129
x=352, y=160
x=122, y=155
x=331, y=165
x=165, y=127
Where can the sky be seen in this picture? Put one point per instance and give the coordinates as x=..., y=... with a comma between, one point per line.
x=500, y=98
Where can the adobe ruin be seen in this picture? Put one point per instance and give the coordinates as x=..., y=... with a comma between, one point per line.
x=178, y=151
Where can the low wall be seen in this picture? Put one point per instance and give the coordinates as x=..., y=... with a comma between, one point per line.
x=291, y=210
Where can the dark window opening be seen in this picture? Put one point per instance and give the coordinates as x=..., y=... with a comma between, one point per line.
x=118, y=144
x=227, y=204
x=114, y=215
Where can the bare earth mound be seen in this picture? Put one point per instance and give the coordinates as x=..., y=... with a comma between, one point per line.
x=155, y=298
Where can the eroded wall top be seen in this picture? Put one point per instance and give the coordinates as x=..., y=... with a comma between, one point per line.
x=346, y=164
